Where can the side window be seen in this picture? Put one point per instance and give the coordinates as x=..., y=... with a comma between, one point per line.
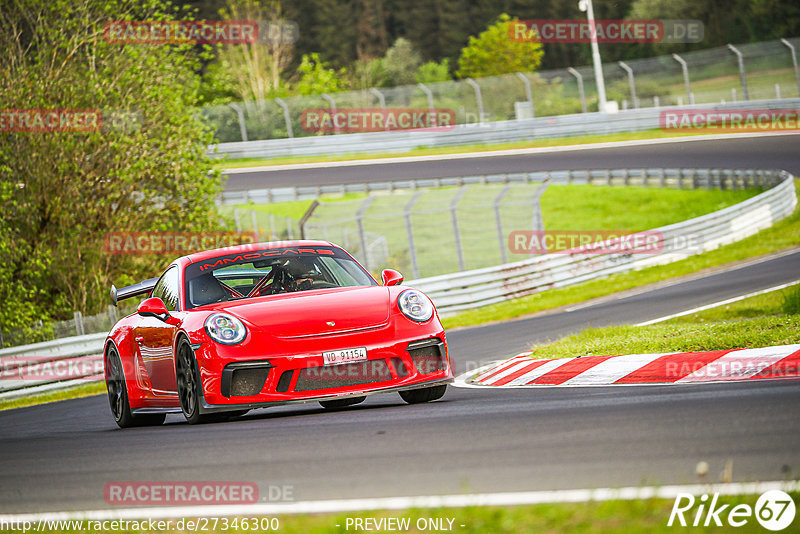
x=167, y=288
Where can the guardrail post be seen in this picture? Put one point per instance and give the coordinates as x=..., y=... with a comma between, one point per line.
x=289, y=229
x=412, y=248
x=332, y=105
x=579, y=78
x=285, y=107
x=472, y=83
x=631, y=83
x=362, y=238
x=499, y=222
x=240, y=114
x=528, y=92
x=456, y=233
x=272, y=226
x=740, y=57
x=790, y=46
x=685, y=69
x=382, y=100
x=236, y=219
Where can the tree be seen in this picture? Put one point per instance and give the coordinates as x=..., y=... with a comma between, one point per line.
x=401, y=62
x=255, y=70
x=433, y=72
x=493, y=52
x=144, y=169
x=316, y=77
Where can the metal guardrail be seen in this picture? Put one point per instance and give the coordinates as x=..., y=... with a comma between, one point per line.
x=579, y=124
x=662, y=177
x=51, y=365
x=470, y=289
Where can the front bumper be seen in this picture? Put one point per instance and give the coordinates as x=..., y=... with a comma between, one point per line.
x=236, y=378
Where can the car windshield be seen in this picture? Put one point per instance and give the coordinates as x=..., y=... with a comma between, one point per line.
x=270, y=272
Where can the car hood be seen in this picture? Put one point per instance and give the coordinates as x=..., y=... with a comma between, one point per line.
x=312, y=313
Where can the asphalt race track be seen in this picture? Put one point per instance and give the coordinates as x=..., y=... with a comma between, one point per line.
x=766, y=152
x=60, y=456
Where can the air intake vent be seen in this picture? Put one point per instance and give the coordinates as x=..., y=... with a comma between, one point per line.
x=351, y=374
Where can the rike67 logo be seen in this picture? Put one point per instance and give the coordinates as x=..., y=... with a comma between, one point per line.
x=774, y=510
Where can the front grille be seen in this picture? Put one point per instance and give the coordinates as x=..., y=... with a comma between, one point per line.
x=248, y=381
x=428, y=357
x=351, y=374
x=399, y=367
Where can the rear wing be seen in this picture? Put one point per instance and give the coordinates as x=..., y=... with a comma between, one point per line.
x=141, y=288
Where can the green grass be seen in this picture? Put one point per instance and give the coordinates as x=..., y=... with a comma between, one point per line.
x=461, y=149
x=564, y=207
x=84, y=390
x=781, y=236
x=615, y=516
x=758, y=321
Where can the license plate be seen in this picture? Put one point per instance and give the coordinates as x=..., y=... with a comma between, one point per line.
x=344, y=356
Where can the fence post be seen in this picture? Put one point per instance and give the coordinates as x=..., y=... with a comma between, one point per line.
x=428, y=94
x=478, y=97
x=254, y=224
x=286, y=118
x=790, y=46
x=538, y=221
x=306, y=216
x=271, y=226
x=412, y=248
x=631, y=83
x=236, y=219
x=382, y=100
x=499, y=222
x=332, y=105
x=685, y=69
x=289, y=229
x=240, y=113
x=741, y=70
x=362, y=238
x=78, y=323
x=579, y=78
x=456, y=233
x=528, y=92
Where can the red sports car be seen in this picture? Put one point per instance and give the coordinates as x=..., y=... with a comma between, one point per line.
x=229, y=330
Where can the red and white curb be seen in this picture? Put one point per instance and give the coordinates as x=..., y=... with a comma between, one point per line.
x=680, y=368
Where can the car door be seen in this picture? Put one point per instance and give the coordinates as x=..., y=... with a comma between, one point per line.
x=153, y=338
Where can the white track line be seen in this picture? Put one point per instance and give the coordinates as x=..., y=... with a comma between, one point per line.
x=501, y=153
x=404, y=503
x=717, y=304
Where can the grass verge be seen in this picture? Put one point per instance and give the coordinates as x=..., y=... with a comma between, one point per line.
x=84, y=390
x=628, y=517
x=781, y=236
x=462, y=149
x=769, y=319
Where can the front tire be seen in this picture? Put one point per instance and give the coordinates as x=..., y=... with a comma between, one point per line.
x=188, y=382
x=118, y=396
x=418, y=396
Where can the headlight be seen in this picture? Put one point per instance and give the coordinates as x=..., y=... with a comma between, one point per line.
x=415, y=305
x=225, y=329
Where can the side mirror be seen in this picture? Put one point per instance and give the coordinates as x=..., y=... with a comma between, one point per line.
x=391, y=277
x=152, y=307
